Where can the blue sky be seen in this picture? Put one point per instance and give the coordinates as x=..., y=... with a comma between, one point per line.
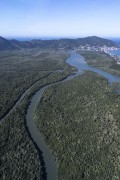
x=62, y=18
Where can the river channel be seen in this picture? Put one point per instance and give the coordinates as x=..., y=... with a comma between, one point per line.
x=77, y=61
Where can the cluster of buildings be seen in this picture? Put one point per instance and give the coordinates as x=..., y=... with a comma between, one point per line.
x=104, y=48
x=97, y=48
x=118, y=62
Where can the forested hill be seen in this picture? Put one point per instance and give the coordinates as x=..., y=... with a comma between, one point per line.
x=6, y=44
x=61, y=43
x=97, y=41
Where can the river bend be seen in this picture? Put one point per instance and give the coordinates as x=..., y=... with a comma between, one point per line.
x=77, y=61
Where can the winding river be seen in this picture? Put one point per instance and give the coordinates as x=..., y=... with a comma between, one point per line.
x=77, y=61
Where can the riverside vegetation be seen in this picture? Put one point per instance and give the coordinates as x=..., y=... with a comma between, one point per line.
x=83, y=110
x=101, y=61
x=19, y=71
x=80, y=120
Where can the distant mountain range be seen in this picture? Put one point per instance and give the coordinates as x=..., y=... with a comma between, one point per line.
x=61, y=43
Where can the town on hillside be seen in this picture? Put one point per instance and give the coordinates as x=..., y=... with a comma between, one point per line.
x=104, y=48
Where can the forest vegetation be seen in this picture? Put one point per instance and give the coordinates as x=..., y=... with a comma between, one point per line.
x=24, y=72
x=101, y=60
x=80, y=120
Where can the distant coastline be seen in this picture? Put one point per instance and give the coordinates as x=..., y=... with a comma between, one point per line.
x=115, y=52
x=114, y=39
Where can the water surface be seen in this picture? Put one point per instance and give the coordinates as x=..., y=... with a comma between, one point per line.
x=77, y=61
